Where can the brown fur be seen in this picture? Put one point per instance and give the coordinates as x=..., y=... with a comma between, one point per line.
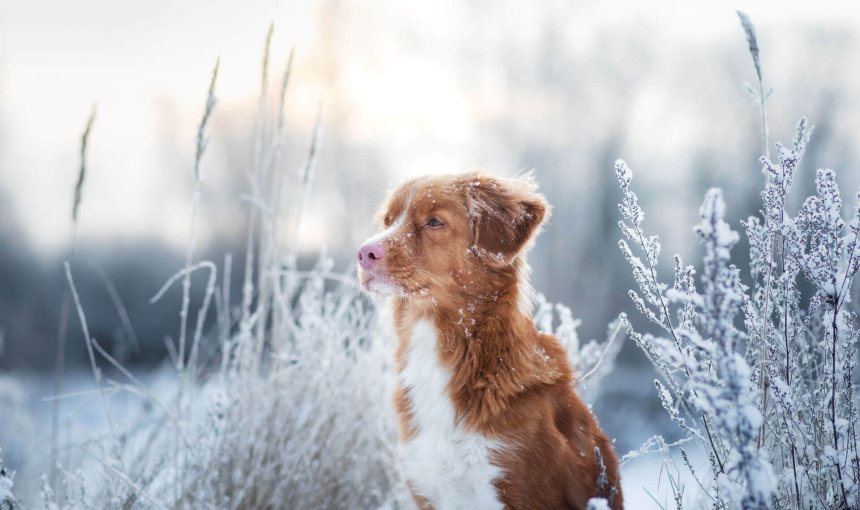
x=509, y=381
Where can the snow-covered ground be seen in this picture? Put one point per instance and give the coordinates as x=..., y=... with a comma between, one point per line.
x=25, y=434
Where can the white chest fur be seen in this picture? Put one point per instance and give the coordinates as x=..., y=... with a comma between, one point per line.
x=442, y=462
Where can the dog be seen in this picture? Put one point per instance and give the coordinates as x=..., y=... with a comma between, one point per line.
x=488, y=418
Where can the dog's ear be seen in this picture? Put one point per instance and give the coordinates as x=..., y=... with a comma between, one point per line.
x=505, y=215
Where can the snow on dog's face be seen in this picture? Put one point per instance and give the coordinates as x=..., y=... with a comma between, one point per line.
x=447, y=236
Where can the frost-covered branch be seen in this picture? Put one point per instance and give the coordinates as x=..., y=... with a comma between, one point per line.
x=775, y=395
x=808, y=353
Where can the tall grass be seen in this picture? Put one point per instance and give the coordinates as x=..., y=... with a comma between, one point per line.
x=296, y=411
x=60, y=354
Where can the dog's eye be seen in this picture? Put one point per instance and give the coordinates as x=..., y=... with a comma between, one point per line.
x=433, y=223
x=387, y=221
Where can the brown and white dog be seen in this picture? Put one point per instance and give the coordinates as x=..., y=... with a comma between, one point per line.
x=488, y=415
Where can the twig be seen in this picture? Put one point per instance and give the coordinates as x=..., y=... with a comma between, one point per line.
x=124, y=478
x=602, y=355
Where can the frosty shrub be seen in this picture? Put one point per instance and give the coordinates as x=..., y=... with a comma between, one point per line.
x=773, y=402
x=761, y=374
x=279, y=401
x=301, y=421
x=591, y=361
x=707, y=388
x=7, y=499
x=16, y=424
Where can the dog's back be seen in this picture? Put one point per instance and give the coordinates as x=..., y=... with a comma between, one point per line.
x=488, y=416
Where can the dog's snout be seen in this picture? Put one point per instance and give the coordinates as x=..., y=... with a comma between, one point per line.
x=370, y=254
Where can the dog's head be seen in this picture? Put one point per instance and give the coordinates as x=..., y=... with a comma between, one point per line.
x=454, y=235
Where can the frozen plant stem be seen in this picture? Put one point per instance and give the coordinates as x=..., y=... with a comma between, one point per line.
x=254, y=179
x=60, y=356
x=97, y=375
x=125, y=479
x=269, y=196
x=752, y=40
x=202, y=142
x=184, y=375
x=835, y=335
x=307, y=176
x=59, y=369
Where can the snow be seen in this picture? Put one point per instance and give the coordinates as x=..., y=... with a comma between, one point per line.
x=598, y=504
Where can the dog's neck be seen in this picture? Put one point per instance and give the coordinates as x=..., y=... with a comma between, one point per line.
x=491, y=346
x=480, y=306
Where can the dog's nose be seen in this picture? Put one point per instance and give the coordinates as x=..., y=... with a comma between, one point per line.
x=370, y=254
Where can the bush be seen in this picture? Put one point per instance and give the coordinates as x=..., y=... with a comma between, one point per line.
x=771, y=399
x=7, y=499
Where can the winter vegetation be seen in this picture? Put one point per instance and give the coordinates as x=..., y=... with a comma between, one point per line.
x=7, y=482
x=281, y=400
x=758, y=364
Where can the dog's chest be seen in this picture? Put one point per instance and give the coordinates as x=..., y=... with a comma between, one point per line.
x=442, y=462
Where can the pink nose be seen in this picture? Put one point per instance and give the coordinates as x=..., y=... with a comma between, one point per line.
x=370, y=254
